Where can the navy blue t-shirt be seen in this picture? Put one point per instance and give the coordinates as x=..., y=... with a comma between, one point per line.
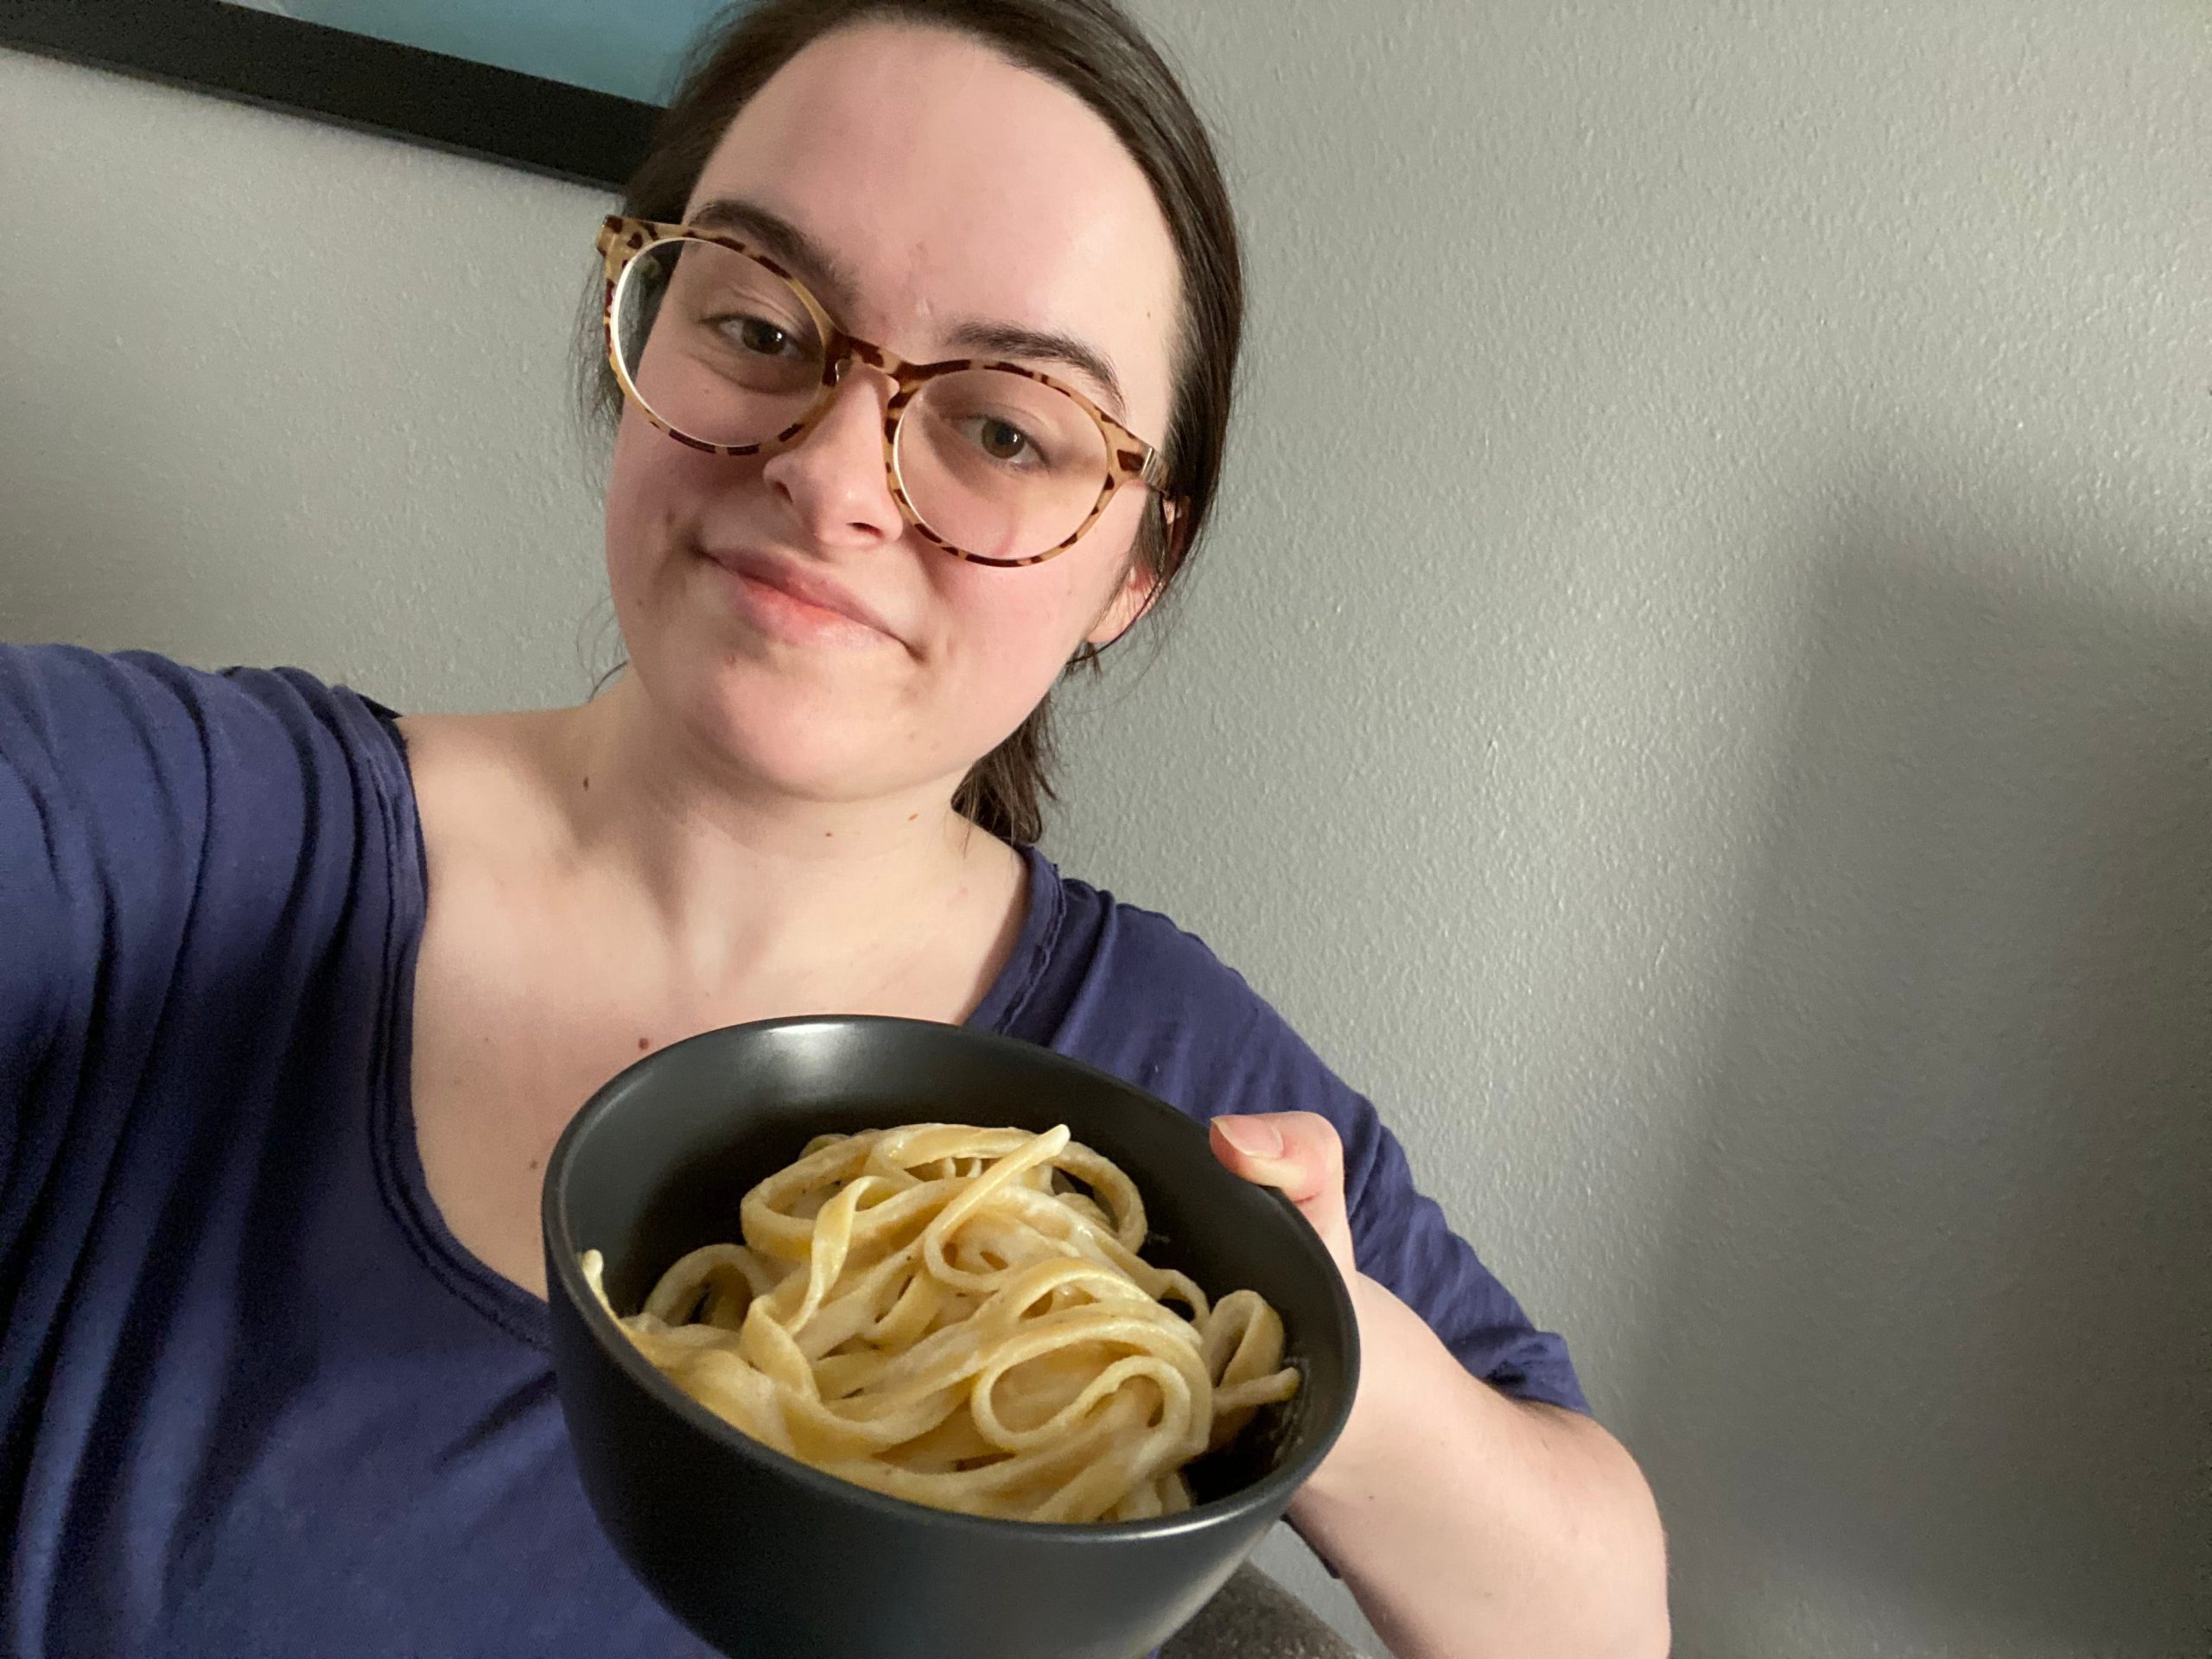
x=256, y=1398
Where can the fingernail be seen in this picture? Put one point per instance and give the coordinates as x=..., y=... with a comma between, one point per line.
x=1253, y=1136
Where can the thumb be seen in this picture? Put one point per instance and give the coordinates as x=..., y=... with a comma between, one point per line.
x=1300, y=1154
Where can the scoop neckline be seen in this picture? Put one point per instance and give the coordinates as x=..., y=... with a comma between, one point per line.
x=395, y=1152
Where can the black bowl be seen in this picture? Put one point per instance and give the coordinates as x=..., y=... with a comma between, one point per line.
x=762, y=1555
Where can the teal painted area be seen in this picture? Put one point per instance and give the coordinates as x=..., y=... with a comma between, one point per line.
x=629, y=47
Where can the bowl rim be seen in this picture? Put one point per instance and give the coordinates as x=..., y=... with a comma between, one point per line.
x=563, y=1255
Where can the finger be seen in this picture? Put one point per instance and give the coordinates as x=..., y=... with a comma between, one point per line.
x=1299, y=1153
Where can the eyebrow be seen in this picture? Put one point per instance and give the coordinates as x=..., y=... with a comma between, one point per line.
x=778, y=235
x=1044, y=346
x=820, y=269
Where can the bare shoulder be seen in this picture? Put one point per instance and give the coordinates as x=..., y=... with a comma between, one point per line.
x=491, y=829
x=487, y=791
x=473, y=773
x=495, y=1065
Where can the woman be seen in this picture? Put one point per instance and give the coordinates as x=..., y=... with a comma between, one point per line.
x=297, y=997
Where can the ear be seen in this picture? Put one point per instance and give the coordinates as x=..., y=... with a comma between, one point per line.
x=1131, y=599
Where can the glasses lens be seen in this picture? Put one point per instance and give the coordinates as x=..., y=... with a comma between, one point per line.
x=1001, y=465
x=717, y=344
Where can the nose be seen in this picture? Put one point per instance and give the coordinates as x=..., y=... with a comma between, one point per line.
x=834, y=479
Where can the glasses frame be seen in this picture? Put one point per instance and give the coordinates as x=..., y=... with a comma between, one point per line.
x=1130, y=459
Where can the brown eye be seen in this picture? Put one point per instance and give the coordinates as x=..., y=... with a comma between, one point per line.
x=758, y=334
x=1001, y=441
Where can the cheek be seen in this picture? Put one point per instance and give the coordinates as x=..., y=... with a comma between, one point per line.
x=1021, y=627
x=636, y=506
x=654, y=487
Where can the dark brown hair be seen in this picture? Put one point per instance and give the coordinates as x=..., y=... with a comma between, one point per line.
x=1095, y=51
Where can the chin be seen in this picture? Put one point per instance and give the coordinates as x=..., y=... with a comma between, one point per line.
x=809, y=739
x=812, y=725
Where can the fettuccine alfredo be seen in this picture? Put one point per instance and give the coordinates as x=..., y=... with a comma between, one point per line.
x=960, y=1317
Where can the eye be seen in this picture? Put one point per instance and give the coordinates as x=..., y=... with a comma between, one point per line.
x=758, y=334
x=1002, y=440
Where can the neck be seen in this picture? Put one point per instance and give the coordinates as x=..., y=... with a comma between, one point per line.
x=751, y=892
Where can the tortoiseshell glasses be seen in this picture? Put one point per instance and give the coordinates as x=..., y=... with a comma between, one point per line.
x=723, y=349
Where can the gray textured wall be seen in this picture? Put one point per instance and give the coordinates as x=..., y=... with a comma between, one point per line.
x=1700, y=700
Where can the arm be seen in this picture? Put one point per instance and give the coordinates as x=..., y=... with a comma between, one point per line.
x=49, y=939
x=1467, y=1523
x=158, y=898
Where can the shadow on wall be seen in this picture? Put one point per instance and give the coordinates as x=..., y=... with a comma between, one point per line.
x=1936, y=1345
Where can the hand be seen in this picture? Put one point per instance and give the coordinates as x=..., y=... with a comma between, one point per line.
x=1299, y=1153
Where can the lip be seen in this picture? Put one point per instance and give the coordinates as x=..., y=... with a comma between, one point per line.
x=808, y=588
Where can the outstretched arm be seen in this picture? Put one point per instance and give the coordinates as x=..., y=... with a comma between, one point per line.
x=1466, y=1522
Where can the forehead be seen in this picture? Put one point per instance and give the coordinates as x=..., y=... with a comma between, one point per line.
x=953, y=188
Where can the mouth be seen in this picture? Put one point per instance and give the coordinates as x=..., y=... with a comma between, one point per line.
x=786, y=597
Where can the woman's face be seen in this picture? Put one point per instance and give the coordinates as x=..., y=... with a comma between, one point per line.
x=934, y=195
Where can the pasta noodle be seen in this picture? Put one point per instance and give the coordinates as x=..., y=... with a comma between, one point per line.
x=959, y=1317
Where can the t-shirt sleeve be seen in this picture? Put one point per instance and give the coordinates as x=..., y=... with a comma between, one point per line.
x=152, y=822
x=97, y=830
x=1399, y=1235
